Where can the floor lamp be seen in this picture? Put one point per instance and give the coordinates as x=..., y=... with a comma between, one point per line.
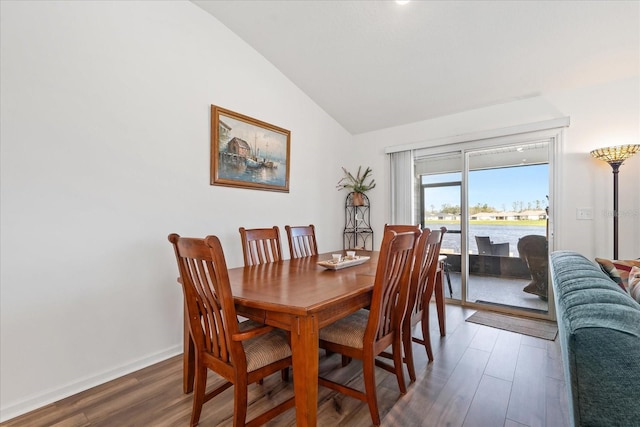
x=615, y=156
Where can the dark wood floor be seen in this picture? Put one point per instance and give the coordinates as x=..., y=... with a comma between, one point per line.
x=480, y=377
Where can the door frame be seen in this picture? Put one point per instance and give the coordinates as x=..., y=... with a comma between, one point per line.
x=555, y=138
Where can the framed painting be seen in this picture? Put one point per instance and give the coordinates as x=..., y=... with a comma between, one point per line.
x=248, y=153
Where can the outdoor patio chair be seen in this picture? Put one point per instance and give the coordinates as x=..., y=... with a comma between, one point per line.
x=487, y=247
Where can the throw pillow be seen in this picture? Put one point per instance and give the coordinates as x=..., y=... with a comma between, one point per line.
x=634, y=283
x=618, y=270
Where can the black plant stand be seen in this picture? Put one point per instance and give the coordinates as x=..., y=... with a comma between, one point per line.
x=357, y=233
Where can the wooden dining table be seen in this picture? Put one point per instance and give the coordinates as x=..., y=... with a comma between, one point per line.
x=299, y=296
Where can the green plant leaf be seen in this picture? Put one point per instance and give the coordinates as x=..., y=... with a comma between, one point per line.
x=356, y=183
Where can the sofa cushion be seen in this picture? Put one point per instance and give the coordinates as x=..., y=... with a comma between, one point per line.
x=599, y=332
x=618, y=270
x=634, y=283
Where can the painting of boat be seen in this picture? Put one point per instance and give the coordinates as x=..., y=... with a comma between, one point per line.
x=248, y=153
x=271, y=164
x=253, y=160
x=253, y=163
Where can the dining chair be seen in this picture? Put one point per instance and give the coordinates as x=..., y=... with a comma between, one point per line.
x=401, y=228
x=423, y=279
x=422, y=285
x=261, y=245
x=367, y=333
x=398, y=228
x=302, y=240
x=443, y=230
x=240, y=352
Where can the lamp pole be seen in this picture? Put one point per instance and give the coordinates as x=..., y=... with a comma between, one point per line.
x=615, y=166
x=615, y=156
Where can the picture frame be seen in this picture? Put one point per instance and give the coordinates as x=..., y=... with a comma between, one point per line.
x=248, y=153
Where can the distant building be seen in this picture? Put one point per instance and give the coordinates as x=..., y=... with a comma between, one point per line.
x=507, y=216
x=442, y=216
x=510, y=216
x=483, y=216
x=239, y=147
x=535, y=214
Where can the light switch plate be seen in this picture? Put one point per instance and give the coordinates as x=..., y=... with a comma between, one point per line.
x=584, y=213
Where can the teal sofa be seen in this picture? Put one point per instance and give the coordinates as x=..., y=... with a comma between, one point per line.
x=599, y=330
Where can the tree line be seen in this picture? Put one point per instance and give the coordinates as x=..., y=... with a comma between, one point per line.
x=518, y=206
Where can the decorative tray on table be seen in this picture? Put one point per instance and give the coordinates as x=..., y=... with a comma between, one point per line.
x=346, y=262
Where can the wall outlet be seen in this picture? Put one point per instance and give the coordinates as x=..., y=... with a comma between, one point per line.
x=584, y=213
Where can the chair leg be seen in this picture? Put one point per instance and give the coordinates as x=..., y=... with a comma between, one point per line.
x=345, y=360
x=240, y=402
x=199, y=388
x=426, y=336
x=398, y=365
x=368, y=368
x=285, y=371
x=407, y=343
x=446, y=273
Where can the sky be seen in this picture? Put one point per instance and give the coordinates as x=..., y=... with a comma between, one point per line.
x=498, y=188
x=267, y=141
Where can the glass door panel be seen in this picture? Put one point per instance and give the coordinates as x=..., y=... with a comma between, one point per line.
x=507, y=225
x=440, y=204
x=446, y=196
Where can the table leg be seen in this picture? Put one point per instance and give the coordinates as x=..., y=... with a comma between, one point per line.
x=439, y=291
x=304, y=349
x=188, y=357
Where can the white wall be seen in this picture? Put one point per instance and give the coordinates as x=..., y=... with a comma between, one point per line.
x=105, y=151
x=601, y=116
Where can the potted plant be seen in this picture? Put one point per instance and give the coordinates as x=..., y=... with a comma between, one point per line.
x=357, y=184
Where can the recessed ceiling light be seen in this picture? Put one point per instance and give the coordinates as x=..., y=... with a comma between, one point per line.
x=402, y=2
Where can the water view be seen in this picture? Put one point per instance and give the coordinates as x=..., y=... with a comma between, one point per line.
x=499, y=233
x=262, y=175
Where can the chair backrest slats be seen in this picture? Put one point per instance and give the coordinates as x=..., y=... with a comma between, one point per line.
x=302, y=241
x=393, y=272
x=425, y=270
x=261, y=245
x=425, y=266
x=207, y=291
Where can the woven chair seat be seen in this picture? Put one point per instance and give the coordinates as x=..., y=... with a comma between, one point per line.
x=247, y=325
x=264, y=349
x=348, y=331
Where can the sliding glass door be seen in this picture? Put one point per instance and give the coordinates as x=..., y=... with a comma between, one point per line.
x=494, y=202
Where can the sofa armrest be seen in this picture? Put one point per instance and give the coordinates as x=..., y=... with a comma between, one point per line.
x=599, y=330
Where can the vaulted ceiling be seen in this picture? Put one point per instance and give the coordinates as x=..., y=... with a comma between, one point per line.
x=378, y=64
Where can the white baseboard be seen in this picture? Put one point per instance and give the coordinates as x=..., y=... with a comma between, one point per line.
x=13, y=410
